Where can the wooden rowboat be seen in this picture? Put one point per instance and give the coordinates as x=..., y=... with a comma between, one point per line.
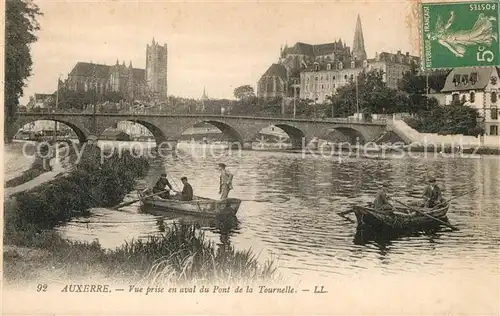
x=401, y=218
x=198, y=206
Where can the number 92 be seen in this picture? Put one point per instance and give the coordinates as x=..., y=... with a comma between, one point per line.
x=41, y=288
x=484, y=55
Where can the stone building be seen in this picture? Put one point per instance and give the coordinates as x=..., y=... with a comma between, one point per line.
x=317, y=71
x=478, y=88
x=132, y=83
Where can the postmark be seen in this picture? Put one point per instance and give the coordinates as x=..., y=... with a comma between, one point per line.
x=460, y=34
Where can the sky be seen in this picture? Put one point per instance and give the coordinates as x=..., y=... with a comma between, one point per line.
x=214, y=45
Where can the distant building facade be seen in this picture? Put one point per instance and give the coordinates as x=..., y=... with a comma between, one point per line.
x=478, y=88
x=132, y=83
x=316, y=71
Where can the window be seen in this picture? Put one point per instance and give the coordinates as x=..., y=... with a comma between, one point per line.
x=455, y=97
x=353, y=64
x=456, y=80
x=307, y=80
x=463, y=98
x=352, y=77
x=329, y=67
x=316, y=78
x=494, y=113
x=333, y=86
x=321, y=78
x=473, y=78
x=322, y=87
x=333, y=77
x=472, y=97
x=493, y=80
x=465, y=79
x=340, y=65
x=316, y=67
x=493, y=97
x=345, y=77
x=494, y=130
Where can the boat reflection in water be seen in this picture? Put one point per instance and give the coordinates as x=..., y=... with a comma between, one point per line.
x=224, y=226
x=383, y=240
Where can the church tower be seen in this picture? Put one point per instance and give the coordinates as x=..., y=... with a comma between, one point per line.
x=156, y=70
x=358, y=46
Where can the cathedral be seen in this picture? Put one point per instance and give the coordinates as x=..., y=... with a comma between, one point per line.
x=132, y=83
x=314, y=72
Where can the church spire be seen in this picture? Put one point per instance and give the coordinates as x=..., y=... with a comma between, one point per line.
x=358, y=46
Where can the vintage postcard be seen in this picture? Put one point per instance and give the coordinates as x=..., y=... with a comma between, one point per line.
x=261, y=157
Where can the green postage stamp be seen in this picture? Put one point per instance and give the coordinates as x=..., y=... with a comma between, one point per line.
x=460, y=34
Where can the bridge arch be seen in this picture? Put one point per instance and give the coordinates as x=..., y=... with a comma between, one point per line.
x=296, y=135
x=232, y=133
x=80, y=131
x=345, y=134
x=157, y=133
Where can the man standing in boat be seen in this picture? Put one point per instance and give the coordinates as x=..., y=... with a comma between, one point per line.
x=187, y=191
x=226, y=181
x=161, y=185
x=432, y=194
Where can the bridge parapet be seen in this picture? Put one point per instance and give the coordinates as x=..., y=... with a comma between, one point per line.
x=165, y=126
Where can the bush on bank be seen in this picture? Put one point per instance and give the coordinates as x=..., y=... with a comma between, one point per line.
x=90, y=184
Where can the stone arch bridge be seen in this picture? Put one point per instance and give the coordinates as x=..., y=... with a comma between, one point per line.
x=240, y=129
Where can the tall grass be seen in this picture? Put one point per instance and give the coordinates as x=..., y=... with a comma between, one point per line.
x=180, y=255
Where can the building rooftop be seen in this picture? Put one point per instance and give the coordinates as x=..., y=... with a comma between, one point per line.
x=84, y=69
x=469, y=78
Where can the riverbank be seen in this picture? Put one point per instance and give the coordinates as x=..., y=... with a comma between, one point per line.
x=32, y=250
x=180, y=255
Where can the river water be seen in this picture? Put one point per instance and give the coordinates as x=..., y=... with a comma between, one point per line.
x=297, y=226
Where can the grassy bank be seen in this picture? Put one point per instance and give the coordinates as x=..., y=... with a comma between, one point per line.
x=34, y=249
x=180, y=255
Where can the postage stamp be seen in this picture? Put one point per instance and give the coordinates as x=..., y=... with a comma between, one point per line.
x=460, y=34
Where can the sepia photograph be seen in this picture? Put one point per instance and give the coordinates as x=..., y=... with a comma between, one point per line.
x=261, y=157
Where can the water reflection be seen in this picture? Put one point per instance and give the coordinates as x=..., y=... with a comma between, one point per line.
x=224, y=226
x=303, y=232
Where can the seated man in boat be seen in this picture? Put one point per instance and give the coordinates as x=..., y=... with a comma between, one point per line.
x=161, y=185
x=432, y=194
x=187, y=191
x=381, y=202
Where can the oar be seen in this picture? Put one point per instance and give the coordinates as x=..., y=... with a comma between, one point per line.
x=425, y=214
x=281, y=200
x=345, y=212
x=455, y=197
x=137, y=200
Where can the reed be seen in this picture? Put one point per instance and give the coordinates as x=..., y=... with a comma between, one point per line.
x=180, y=255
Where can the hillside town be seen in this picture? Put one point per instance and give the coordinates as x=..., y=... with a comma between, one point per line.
x=307, y=81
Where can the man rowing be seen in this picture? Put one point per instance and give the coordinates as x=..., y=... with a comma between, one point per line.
x=432, y=194
x=161, y=185
x=381, y=202
x=187, y=191
x=226, y=182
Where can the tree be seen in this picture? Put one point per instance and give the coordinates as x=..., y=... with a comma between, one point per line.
x=370, y=93
x=244, y=92
x=416, y=84
x=456, y=118
x=20, y=27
